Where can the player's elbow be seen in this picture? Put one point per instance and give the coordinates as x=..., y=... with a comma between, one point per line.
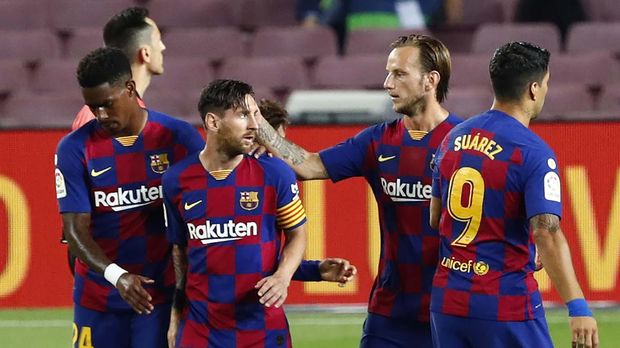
x=312, y=168
x=435, y=213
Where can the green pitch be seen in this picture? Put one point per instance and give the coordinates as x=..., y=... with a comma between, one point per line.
x=51, y=328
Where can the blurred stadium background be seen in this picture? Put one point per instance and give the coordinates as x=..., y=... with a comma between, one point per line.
x=331, y=95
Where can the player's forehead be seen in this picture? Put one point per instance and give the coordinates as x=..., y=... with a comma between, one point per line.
x=155, y=33
x=403, y=58
x=103, y=92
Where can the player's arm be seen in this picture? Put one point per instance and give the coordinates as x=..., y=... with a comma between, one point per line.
x=273, y=290
x=555, y=255
x=76, y=230
x=307, y=165
x=331, y=269
x=179, y=300
x=435, y=212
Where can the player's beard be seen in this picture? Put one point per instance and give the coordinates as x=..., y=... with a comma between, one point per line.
x=414, y=107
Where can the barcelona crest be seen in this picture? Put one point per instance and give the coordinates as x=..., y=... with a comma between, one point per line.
x=159, y=163
x=249, y=200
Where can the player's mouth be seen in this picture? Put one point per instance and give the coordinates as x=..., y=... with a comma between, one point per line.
x=249, y=137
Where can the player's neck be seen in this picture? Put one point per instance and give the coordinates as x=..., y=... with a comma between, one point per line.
x=214, y=159
x=142, y=77
x=138, y=121
x=427, y=118
x=514, y=110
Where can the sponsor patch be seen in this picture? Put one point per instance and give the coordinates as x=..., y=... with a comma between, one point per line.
x=61, y=188
x=552, y=187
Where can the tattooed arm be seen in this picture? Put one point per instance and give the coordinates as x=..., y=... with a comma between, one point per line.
x=179, y=300
x=555, y=256
x=307, y=165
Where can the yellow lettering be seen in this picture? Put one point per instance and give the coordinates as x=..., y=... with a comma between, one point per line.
x=601, y=265
x=498, y=149
x=457, y=143
x=483, y=143
x=86, y=338
x=374, y=233
x=18, y=255
x=474, y=142
x=314, y=203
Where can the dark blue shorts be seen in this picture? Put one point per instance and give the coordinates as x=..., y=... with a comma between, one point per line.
x=384, y=332
x=458, y=332
x=125, y=329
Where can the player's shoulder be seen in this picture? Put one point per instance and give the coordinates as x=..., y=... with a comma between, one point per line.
x=78, y=137
x=167, y=120
x=174, y=171
x=271, y=164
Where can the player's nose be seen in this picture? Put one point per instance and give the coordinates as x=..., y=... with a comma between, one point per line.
x=100, y=113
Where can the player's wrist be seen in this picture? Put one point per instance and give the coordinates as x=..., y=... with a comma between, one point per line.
x=113, y=272
x=578, y=308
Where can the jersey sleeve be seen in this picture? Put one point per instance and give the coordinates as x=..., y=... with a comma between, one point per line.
x=542, y=192
x=308, y=271
x=346, y=159
x=175, y=227
x=190, y=137
x=72, y=190
x=290, y=212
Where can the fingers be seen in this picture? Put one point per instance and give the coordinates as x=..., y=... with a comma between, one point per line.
x=272, y=292
x=131, y=290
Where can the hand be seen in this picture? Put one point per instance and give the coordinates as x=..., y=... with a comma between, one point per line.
x=337, y=270
x=538, y=265
x=258, y=151
x=585, y=332
x=272, y=290
x=173, y=329
x=130, y=287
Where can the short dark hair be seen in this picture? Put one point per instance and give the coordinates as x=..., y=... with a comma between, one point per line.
x=514, y=66
x=221, y=95
x=127, y=30
x=103, y=65
x=274, y=113
x=434, y=55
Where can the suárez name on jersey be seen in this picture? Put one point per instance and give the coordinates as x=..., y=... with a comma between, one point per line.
x=400, y=191
x=128, y=199
x=215, y=232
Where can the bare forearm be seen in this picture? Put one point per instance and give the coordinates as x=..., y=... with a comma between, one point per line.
x=292, y=253
x=306, y=165
x=81, y=243
x=555, y=256
x=179, y=261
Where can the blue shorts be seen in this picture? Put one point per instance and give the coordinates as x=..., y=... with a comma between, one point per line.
x=385, y=332
x=458, y=332
x=125, y=329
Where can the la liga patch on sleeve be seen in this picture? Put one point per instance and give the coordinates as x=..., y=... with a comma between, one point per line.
x=552, y=187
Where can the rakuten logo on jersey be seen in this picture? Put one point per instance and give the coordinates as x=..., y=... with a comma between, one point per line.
x=128, y=199
x=210, y=233
x=400, y=191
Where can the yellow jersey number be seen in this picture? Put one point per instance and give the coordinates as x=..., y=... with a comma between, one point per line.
x=84, y=339
x=468, y=181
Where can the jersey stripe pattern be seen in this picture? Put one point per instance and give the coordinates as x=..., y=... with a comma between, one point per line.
x=398, y=169
x=232, y=230
x=492, y=174
x=119, y=185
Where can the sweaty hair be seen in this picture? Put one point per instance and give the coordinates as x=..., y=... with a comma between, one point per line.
x=274, y=113
x=221, y=95
x=103, y=65
x=127, y=30
x=433, y=56
x=515, y=66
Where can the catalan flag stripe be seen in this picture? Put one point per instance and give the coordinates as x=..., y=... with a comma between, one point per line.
x=293, y=221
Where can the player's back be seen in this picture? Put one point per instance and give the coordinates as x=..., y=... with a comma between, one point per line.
x=492, y=175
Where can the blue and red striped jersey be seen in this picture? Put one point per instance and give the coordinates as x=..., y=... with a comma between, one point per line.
x=492, y=174
x=396, y=164
x=118, y=181
x=231, y=226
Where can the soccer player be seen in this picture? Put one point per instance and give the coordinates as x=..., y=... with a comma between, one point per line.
x=224, y=212
x=137, y=35
x=108, y=185
x=496, y=197
x=395, y=159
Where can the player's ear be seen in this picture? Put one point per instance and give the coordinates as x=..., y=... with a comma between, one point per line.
x=533, y=90
x=131, y=88
x=432, y=80
x=144, y=54
x=212, y=122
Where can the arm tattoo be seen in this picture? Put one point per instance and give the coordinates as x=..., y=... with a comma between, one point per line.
x=547, y=222
x=179, y=260
x=288, y=151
